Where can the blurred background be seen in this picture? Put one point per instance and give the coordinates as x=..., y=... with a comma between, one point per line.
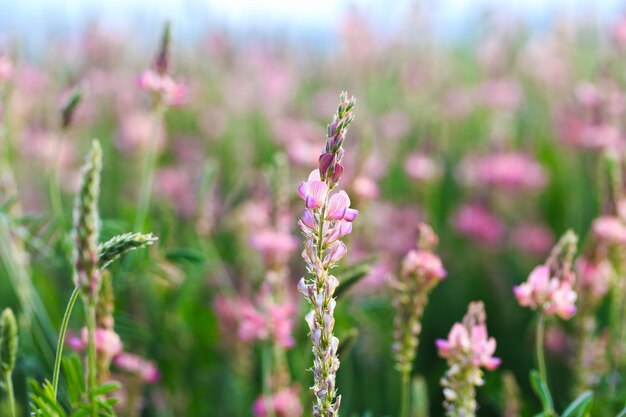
x=489, y=121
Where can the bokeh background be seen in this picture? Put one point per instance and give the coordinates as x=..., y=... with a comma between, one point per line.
x=489, y=121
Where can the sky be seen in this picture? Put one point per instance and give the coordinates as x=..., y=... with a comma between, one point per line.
x=315, y=19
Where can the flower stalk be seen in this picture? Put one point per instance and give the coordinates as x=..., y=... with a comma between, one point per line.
x=325, y=220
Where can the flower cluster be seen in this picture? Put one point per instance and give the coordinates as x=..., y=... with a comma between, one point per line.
x=550, y=287
x=156, y=81
x=468, y=349
x=421, y=272
x=326, y=218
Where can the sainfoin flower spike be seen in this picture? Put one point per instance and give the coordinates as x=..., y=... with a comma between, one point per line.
x=550, y=287
x=421, y=272
x=86, y=226
x=327, y=218
x=468, y=349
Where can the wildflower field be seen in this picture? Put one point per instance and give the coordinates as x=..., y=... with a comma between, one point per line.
x=248, y=226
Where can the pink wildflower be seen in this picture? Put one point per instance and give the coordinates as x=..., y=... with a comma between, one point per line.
x=532, y=238
x=508, y=171
x=421, y=167
x=467, y=349
x=135, y=364
x=546, y=294
x=108, y=342
x=609, y=229
x=284, y=403
x=478, y=223
x=163, y=88
x=594, y=275
x=276, y=247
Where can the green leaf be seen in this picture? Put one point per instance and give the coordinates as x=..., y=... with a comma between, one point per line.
x=107, y=388
x=622, y=413
x=350, y=277
x=541, y=389
x=182, y=255
x=581, y=406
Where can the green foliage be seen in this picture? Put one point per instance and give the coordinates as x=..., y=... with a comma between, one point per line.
x=115, y=247
x=543, y=392
x=581, y=406
x=44, y=403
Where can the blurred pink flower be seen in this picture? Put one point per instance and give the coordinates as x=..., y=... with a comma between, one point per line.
x=548, y=294
x=556, y=340
x=533, y=238
x=108, y=342
x=609, y=229
x=619, y=32
x=136, y=130
x=275, y=246
x=425, y=264
x=252, y=323
x=365, y=188
x=281, y=319
x=176, y=185
x=475, y=221
x=472, y=343
x=504, y=94
x=6, y=68
x=163, y=88
x=594, y=275
x=135, y=364
x=284, y=403
x=422, y=167
x=394, y=125
x=509, y=171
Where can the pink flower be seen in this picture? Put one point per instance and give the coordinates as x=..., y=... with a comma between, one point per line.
x=365, y=187
x=609, y=229
x=135, y=364
x=314, y=191
x=533, y=238
x=284, y=403
x=276, y=247
x=509, y=171
x=281, y=317
x=6, y=68
x=108, y=342
x=424, y=263
x=339, y=207
x=253, y=324
x=163, y=88
x=594, y=276
x=504, y=94
x=478, y=223
x=472, y=343
x=335, y=252
x=547, y=294
x=421, y=167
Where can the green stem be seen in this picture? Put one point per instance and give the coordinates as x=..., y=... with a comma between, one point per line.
x=91, y=356
x=61, y=342
x=541, y=361
x=147, y=175
x=10, y=393
x=406, y=394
